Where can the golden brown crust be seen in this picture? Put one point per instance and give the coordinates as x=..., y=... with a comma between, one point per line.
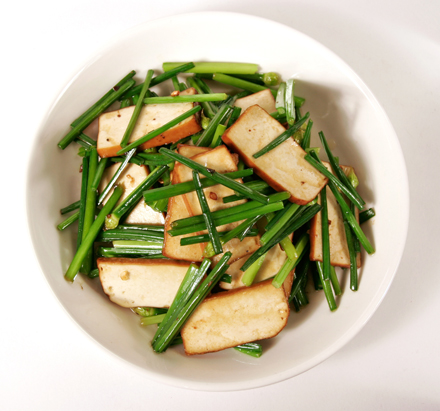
x=186, y=128
x=229, y=342
x=172, y=135
x=261, y=126
x=251, y=164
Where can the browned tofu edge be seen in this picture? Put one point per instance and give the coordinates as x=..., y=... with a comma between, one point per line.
x=184, y=129
x=250, y=163
x=225, y=294
x=315, y=229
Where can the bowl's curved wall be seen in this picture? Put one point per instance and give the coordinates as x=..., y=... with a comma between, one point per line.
x=339, y=103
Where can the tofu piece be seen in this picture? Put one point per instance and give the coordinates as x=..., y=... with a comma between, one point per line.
x=274, y=260
x=191, y=151
x=139, y=282
x=339, y=255
x=221, y=160
x=271, y=265
x=240, y=316
x=177, y=210
x=284, y=167
x=264, y=99
x=130, y=178
x=112, y=125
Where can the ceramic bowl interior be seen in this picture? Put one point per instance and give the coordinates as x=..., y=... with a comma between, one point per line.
x=339, y=103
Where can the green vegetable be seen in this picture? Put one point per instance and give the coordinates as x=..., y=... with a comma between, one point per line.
x=327, y=288
x=262, y=210
x=280, y=102
x=115, y=177
x=217, y=177
x=314, y=161
x=130, y=235
x=159, y=79
x=252, y=349
x=300, y=272
x=68, y=221
x=87, y=243
x=350, y=218
x=248, y=86
x=148, y=311
x=252, y=271
x=277, y=223
x=92, y=114
x=70, y=207
x=217, y=139
x=104, y=98
x=126, y=252
x=155, y=245
x=352, y=254
x=305, y=144
x=194, y=98
x=137, y=109
x=209, y=249
x=187, y=187
x=127, y=102
x=335, y=282
x=154, y=319
x=366, y=215
x=99, y=172
x=83, y=199
x=289, y=101
x=325, y=235
x=162, y=341
x=211, y=67
x=133, y=198
x=236, y=111
x=290, y=264
x=90, y=209
x=203, y=238
x=264, y=79
x=86, y=139
x=214, y=237
x=339, y=173
x=250, y=205
x=208, y=108
x=222, y=114
x=295, y=223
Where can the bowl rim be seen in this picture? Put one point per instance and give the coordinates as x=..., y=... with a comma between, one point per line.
x=383, y=287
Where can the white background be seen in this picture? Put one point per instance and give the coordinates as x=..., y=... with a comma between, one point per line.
x=48, y=363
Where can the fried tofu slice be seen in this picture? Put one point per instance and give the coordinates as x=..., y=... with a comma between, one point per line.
x=339, y=255
x=139, y=282
x=264, y=99
x=191, y=151
x=284, y=167
x=240, y=316
x=221, y=160
x=130, y=178
x=112, y=125
x=272, y=263
x=177, y=210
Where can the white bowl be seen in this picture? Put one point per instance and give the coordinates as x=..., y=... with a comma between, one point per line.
x=339, y=103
